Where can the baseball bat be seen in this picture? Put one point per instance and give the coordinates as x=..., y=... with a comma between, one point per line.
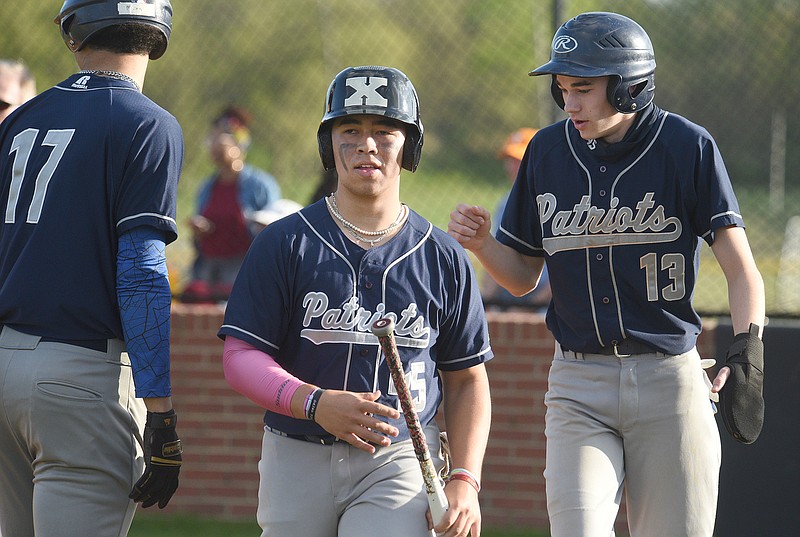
x=383, y=329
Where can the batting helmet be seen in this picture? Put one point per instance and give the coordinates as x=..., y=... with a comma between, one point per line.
x=382, y=91
x=605, y=44
x=80, y=19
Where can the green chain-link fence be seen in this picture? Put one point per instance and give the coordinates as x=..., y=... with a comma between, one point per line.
x=726, y=65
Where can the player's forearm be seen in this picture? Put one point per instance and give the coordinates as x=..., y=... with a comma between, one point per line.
x=144, y=299
x=745, y=284
x=158, y=404
x=467, y=410
x=746, y=300
x=256, y=375
x=515, y=272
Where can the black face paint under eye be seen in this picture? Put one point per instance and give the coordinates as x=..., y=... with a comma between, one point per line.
x=343, y=149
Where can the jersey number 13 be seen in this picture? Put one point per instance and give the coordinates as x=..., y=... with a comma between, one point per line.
x=675, y=265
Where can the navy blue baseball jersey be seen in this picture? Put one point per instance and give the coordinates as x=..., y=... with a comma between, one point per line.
x=619, y=226
x=308, y=296
x=91, y=146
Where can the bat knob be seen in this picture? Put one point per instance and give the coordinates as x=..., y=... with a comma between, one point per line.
x=383, y=327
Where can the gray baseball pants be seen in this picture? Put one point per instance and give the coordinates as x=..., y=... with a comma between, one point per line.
x=643, y=422
x=70, y=440
x=315, y=490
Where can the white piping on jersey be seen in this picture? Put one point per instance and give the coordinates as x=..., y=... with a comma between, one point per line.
x=383, y=295
x=353, y=293
x=719, y=215
x=465, y=358
x=591, y=299
x=522, y=242
x=262, y=340
x=337, y=252
x=415, y=341
x=610, y=246
x=396, y=261
x=586, y=232
x=83, y=90
x=726, y=213
x=646, y=149
x=616, y=291
x=376, y=364
x=141, y=215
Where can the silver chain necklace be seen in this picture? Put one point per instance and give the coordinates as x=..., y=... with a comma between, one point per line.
x=362, y=234
x=112, y=74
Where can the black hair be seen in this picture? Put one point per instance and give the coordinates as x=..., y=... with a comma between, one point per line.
x=129, y=38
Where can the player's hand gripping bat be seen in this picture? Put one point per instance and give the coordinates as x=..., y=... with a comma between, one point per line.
x=383, y=329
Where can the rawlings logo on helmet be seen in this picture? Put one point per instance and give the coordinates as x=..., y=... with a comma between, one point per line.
x=564, y=43
x=604, y=44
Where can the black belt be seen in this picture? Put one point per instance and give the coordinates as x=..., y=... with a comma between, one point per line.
x=626, y=347
x=323, y=439
x=91, y=344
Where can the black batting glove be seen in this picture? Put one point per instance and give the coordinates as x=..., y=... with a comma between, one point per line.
x=162, y=458
x=741, y=398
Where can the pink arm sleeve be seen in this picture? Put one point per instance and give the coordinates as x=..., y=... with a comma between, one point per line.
x=256, y=375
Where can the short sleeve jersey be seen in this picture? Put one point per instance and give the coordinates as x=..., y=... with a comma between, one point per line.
x=308, y=296
x=80, y=164
x=621, y=235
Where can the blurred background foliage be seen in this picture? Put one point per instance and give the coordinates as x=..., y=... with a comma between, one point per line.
x=728, y=66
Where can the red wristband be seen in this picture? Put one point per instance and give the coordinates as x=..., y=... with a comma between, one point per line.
x=465, y=477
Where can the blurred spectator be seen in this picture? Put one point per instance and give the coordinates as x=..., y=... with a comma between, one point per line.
x=223, y=227
x=17, y=85
x=511, y=154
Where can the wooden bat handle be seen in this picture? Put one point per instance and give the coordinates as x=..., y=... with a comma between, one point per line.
x=383, y=329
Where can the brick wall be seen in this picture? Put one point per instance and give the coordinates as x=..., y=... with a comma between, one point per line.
x=221, y=430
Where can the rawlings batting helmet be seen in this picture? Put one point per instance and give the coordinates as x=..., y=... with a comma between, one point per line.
x=80, y=19
x=383, y=91
x=605, y=44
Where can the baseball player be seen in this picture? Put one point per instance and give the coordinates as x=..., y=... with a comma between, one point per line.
x=616, y=199
x=88, y=180
x=336, y=458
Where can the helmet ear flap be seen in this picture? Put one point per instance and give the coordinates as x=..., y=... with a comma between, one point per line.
x=412, y=151
x=631, y=96
x=555, y=91
x=325, y=145
x=616, y=93
x=64, y=25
